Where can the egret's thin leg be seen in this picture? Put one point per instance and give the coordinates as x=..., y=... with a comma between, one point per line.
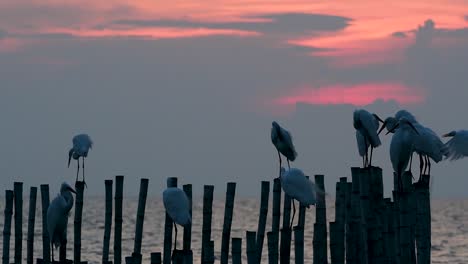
x=421, y=166
x=83, y=174
x=175, y=238
x=294, y=212
x=52, y=248
x=279, y=157
x=364, y=161
x=366, y=155
x=410, y=161
x=289, y=167
x=428, y=166
x=78, y=169
x=370, y=160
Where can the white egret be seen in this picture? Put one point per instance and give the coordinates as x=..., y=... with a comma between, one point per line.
x=57, y=216
x=177, y=206
x=82, y=143
x=457, y=146
x=366, y=125
x=298, y=187
x=401, y=146
x=282, y=140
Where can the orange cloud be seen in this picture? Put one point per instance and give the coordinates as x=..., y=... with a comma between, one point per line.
x=359, y=95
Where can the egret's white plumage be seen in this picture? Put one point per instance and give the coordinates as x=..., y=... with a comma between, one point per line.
x=366, y=125
x=295, y=184
x=57, y=216
x=176, y=204
x=457, y=146
x=282, y=140
x=82, y=143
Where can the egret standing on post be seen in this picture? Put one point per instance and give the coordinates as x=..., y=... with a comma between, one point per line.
x=177, y=207
x=282, y=140
x=82, y=143
x=457, y=146
x=57, y=216
x=366, y=125
x=298, y=187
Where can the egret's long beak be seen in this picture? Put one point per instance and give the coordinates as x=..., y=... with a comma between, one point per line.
x=393, y=129
x=378, y=118
x=382, y=128
x=446, y=135
x=71, y=190
x=70, y=153
x=415, y=130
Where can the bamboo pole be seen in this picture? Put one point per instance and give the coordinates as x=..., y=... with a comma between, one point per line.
x=207, y=216
x=228, y=209
x=140, y=216
x=107, y=222
x=299, y=244
x=272, y=238
x=275, y=222
x=187, y=241
x=320, y=226
x=31, y=222
x=252, y=256
x=171, y=182
x=79, y=188
x=118, y=220
x=7, y=226
x=265, y=194
x=285, y=245
x=236, y=250
x=45, y=233
x=18, y=193
x=156, y=258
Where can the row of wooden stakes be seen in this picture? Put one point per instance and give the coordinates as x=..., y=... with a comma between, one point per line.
x=367, y=227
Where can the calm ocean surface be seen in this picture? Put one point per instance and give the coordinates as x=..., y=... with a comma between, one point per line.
x=449, y=228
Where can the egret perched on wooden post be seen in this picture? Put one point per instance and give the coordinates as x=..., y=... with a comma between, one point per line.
x=457, y=146
x=82, y=143
x=402, y=146
x=298, y=187
x=177, y=206
x=282, y=140
x=366, y=125
x=57, y=216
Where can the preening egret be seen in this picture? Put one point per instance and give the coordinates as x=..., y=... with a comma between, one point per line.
x=366, y=125
x=298, y=187
x=82, y=143
x=401, y=146
x=457, y=146
x=282, y=140
x=177, y=206
x=57, y=216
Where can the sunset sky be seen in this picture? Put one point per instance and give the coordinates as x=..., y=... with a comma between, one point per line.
x=189, y=88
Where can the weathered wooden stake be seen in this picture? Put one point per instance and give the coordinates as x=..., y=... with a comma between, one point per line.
x=333, y=242
x=18, y=192
x=188, y=229
x=140, y=215
x=404, y=228
x=299, y=244
x=340, y=214
x=171, y=182
x=118, y=220
x=350, y=239
x=228, y=209
x=236, y=250
x=209, y=253
x=424, y=220
x=79, y=188
x=320, y=226
x=45, y=233
x=31, y=222
x=275, y=222
x=107, y=222
x=252, y=257
x=156, y=258
x=272, y=238
x=285, y=244
x=7, y=226
x=265, y=194
x=207, y=212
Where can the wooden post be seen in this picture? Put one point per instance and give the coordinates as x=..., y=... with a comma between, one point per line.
x=350, y=231
x=265, y=194
x=404, y=228
x=18, y=193
x=285, y=245
x=252, y=256
x=376, y=215
x=320, y=226
x=364, y=182
x=7, y=226
x=45, y=233
x=188, y=229
x=209, y=253
x=424, y=220
x=31, y=222
x=228, y=209
x=340, y=215
x=272, y=238
x=275, y=222
x=333, y=242
x=171, y=182
x=356, y=242
x=236, y=250
x=107, y=222
x=396, y=226
x=299, y=244
x=140, y=215
x=79, y=188
x=389, y=232
x=118, y=220
x=207, y=212
x=156, y=258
